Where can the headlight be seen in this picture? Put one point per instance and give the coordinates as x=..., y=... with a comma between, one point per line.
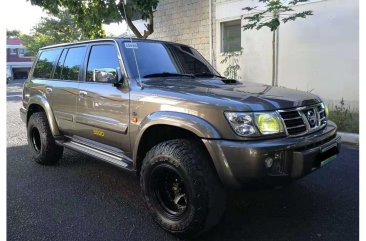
x=251, y=124
x=268, y=123
x=242, y=123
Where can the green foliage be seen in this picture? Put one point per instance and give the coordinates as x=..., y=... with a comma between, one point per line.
x=91, y=14
x=52, y=30
x=141, y=7
x=274, y=12
x=345, y=119
x=12, y=34
x=231, y=58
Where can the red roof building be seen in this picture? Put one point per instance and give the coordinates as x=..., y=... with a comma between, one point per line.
x=17, y=60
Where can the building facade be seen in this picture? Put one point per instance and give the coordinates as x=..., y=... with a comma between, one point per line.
x=17, y=62
x=317, y=54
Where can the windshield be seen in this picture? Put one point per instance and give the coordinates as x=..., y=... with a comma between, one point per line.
x=156, y=59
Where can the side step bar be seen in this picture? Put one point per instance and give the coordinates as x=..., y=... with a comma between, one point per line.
x=120, y=161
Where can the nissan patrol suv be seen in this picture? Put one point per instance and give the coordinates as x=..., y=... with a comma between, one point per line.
x=161, y=110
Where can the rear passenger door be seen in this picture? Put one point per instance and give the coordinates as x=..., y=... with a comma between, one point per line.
x=103, y=108
x=62, y=90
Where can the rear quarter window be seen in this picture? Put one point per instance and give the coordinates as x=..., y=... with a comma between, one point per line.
x=68, y=66
x=45, y=63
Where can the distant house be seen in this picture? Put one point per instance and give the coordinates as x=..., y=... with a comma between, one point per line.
x=18, y=64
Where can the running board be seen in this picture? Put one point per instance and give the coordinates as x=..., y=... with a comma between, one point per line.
x=120, y=161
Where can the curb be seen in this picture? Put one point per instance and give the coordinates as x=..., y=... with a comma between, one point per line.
x=349, y=137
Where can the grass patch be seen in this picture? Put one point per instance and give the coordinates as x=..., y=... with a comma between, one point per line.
x=346, y=121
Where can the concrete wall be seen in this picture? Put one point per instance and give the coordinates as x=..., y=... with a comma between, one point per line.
x=184, y=22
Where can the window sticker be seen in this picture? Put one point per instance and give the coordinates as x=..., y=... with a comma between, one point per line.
x=131, y=46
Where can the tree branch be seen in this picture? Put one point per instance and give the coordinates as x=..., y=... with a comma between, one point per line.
x=150, y=25
x=128, y=19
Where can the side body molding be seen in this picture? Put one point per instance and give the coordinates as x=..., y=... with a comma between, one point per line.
x=194, y=124
x=42, y=101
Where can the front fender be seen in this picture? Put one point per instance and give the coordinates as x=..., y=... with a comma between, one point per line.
x=194, y=124
x=42, y=101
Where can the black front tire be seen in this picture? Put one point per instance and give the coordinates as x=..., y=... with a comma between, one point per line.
x=182, y=165
x=41, y=142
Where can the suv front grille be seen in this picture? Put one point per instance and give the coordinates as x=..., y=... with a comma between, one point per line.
x=304, y=120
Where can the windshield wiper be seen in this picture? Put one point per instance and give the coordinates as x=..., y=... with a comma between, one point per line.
x=207, y=74
x=167, y=74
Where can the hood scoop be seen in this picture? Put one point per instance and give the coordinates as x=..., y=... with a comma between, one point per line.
x=229, y=81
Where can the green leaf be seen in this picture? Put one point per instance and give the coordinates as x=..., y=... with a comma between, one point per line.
x=89, y=15
x=294, y=2
x=249, y=8
x=297, y=15
x=273, y=24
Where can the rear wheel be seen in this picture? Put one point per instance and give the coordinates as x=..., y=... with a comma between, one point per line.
x=42, y=145
x=181, y=187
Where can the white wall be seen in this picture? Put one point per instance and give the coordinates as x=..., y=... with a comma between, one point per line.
x=319, y=53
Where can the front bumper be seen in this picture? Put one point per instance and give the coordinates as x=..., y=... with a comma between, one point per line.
x=242, y=163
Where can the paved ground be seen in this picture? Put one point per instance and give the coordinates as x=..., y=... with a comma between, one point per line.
x=85, y=199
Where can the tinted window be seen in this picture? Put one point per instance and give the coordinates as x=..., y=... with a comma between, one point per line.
x=189, y=60
x=155, y=57
x=60, y=65
x=68, y=67
x=101, y=57
x=44, y=66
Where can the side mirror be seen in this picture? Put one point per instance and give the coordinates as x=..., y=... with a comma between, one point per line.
x=106, y=75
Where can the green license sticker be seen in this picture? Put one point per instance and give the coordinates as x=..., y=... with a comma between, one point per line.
x=326, y=161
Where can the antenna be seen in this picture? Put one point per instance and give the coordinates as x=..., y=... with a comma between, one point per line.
x=133, y=49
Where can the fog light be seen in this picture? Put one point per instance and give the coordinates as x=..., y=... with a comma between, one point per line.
x=268, y=162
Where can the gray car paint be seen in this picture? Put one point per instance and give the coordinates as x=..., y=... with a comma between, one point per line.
x=197, y=105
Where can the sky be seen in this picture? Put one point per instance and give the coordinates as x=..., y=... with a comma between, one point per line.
x=26, y=16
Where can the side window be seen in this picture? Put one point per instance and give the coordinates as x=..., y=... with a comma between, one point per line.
x=68, y=66
x=60, y=65
x=102, y=64
x=44, y=66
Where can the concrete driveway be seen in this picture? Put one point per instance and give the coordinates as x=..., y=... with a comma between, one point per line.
x=84, y=199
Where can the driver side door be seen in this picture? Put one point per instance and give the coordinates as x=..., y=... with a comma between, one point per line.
x=102, y=107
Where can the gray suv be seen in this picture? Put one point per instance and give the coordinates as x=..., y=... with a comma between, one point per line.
x=161, y=110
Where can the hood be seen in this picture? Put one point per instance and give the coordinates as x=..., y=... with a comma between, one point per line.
x=251, y=96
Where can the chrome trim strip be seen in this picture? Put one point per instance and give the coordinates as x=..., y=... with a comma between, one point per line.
x=64, y=115
x=76, y=43
x=293, y=118
x=101, y=123
x=293, y=127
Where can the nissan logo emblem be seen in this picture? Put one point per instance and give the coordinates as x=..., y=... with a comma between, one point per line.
x=310, y=115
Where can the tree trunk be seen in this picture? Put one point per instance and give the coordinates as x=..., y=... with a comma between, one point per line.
x=149, y=26
x=133, y=28
x=273, y=57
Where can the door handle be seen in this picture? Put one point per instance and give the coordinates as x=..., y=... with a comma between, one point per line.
x=48, y=90
x=83, y=93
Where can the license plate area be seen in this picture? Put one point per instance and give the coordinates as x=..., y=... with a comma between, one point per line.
x=326, y=155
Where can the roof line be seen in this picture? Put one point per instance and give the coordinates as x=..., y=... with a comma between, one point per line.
x=75, y=43
x=105, y=39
